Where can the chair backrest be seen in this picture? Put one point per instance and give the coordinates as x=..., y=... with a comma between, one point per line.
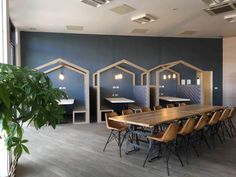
x=188, y=126
x=157, y=107
x=225, y=114
x=170, y=133
x=201, y=122
x=182, y=104
x=110, y=123
x=232, y=112
x=127, y=111
x=170, y=105
x=146, y=109
x=215, y=118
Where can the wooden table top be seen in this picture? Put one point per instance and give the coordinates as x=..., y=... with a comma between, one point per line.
x=173, y=99
x=66, y=101
x=119, y=100
x=150, y=119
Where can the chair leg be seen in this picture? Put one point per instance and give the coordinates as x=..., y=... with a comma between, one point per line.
x=119, y=143
x=205, y=139
x=186, y=143
x=108, y=140
x=124, y=137
x=222, y=130
x=149, y=152
x=212, y=134
x=227, y=130
x=218, y=135
x=178, y=156
x=168, y=152
x=232, y=125
x=194, y=148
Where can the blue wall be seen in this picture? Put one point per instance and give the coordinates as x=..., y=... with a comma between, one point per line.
x=96, y=51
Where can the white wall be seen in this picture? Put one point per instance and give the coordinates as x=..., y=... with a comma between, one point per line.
x=229, y=71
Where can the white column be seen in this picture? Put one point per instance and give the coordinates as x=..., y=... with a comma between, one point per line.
x=1, y=31
x=17, y=47
x=4, y=58
x=5, y=45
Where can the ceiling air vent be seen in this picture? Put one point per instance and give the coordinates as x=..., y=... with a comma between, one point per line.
x=230, y=18
x=219, y=7
x=214, y=2
x=123, y=9
x=95, y=3
x=143, y=19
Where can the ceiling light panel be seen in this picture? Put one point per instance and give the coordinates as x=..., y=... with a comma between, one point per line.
x=188, y=32
x=74, y=28
x=123, y=9
x=96, y=3
x=144, y=18
x=139, y=31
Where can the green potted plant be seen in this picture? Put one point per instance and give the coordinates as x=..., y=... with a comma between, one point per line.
x=27, y=97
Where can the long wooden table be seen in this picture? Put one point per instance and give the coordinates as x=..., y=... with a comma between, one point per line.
x=153, y=118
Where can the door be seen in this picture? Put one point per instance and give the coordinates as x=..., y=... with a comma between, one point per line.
x=207, y=87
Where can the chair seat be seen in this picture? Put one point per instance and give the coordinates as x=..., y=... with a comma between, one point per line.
x=156, y=137
x=118, y=127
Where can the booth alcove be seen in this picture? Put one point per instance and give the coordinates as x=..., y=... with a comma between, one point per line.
x=62, y=63
x=201, y=93
x=140, y=92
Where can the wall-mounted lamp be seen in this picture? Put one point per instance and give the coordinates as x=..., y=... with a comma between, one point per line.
x=174, y=76
x=61, y=76
x=198, y=81
x=118, y=76
x=169, y=76
x=164, y=77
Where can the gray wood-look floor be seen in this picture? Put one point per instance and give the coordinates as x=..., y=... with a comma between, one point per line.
x=76, y=151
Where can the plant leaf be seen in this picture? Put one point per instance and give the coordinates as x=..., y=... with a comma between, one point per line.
x=25, y=148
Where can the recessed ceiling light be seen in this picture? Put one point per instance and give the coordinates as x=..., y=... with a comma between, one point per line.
x=139, y=30
x=123, y=9
x=144, y=18
x=188, y=32
x=75, y=28
x=32, y=29
x=230, y=18
x=96, y=3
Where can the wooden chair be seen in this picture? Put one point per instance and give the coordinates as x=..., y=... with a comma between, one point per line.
x=127, y=112
x=222, y=122
x=230, y=122
x=168, y=139
x=185, y=133
x=213, y=126
x=116, y=130
x=146, y=109
x=182, y=104
x=157, y=107
x=170, y=105
x=199, y=129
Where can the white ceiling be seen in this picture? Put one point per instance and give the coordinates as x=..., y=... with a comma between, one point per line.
x=55, y=15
